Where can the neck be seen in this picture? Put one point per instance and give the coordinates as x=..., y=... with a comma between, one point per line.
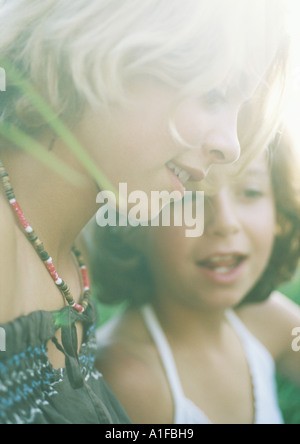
x=190, y=324
x=55, y=208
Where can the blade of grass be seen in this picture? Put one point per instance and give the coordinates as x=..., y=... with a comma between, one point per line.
x=36, y=150
x=59, y=128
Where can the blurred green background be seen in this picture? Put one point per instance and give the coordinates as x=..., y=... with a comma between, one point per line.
x=289, y=395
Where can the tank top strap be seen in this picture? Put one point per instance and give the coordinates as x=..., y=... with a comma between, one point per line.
x=165, y=354
x=261, y=366
x=262, y=369
x=250, y=342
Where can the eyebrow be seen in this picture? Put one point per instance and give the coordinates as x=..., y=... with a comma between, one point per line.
x=243, y=83
x=257, y=172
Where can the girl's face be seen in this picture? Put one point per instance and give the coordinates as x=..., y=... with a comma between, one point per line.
x=132, y=143
x=217, y=270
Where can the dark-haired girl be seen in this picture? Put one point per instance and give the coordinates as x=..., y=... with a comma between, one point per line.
x=205, y=326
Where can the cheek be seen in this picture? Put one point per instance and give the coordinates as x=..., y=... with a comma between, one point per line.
x=127, y=144
x=262, y=233
x=191, y=123
x=167, y=251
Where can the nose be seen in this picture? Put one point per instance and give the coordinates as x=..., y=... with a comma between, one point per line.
x=222, y=144
x=222, y=219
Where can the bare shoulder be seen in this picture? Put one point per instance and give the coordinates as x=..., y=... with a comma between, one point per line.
x=272, y=322
x=129, y=363
x=7, y=258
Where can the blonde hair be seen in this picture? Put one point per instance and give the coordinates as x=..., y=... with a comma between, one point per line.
x=78, y=52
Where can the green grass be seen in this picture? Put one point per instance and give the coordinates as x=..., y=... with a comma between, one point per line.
x=289, y=395
x=32, y=147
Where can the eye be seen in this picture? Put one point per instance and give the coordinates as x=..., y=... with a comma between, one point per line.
x=213, y=98
x=252, y=193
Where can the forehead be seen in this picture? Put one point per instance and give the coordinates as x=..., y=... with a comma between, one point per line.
x=259, y=166
x=258, y=169
x=222, y=176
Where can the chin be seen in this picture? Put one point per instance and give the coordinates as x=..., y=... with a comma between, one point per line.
x=221, y=301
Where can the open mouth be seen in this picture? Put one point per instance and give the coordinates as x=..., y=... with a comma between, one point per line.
x=225, y=266
x=222, y=264
x=183, y=175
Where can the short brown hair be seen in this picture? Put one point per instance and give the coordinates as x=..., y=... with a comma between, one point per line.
x=286, y=251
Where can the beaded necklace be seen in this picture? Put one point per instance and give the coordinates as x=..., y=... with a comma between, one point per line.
x=39, y=248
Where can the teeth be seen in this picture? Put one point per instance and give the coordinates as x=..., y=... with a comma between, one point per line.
x=182, y=175
x=224, y=270
x=222, y=264
x=217, y=259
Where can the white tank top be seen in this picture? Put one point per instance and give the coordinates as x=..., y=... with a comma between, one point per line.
x=261, y=364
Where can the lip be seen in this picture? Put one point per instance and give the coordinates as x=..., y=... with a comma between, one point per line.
x=177, y=184
x=224, y=278
x=196, y=175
